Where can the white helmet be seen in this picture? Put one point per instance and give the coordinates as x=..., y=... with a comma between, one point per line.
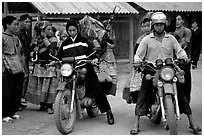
x=158, y=17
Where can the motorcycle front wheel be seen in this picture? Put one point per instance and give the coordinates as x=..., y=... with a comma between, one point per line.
x=64, y=118
x=170, y=111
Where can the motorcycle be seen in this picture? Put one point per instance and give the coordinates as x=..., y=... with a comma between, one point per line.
x=164, y=75
x=71, y=96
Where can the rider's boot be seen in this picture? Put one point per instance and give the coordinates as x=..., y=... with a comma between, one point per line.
x=90, y=112
x=110, y=117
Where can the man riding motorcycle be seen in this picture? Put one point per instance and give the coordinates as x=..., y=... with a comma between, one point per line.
x=77, y=46
x=158, y=45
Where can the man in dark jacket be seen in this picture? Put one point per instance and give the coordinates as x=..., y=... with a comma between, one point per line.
x=196, y=43
x=25, y=38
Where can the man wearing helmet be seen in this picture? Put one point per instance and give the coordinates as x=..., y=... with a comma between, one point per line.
x=158, y=45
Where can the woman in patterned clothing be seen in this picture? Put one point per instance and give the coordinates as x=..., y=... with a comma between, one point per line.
x=43, y=82
x=108, y=62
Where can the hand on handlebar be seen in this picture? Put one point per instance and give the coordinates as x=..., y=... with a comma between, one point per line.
x=187, y=60
x=94, y=61
x=137, y=64
x=52, y=63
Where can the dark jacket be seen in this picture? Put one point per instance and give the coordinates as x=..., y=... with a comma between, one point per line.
x=25, y=41
x=81, y=46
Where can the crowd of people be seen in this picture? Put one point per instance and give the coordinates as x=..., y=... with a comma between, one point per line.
x=38, y=85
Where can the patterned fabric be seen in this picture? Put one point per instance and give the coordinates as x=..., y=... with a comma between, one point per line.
x=43, y=81
x=40, y=71
x=42, y=85
x=107, y=59
x=109, y=70
x=91, y=28
x=136, y=81
x=41, y=89
x=108, y=56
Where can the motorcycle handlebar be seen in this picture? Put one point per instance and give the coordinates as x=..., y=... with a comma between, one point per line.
x=153, y=66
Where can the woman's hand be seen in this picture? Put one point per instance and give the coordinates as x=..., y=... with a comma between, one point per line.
x=94, y=61
x=43, y=35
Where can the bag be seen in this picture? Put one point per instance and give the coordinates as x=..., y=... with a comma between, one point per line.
x=13, y=64
x=102, y=74
x=130, y=97
x=126, y=95
x=136, y=81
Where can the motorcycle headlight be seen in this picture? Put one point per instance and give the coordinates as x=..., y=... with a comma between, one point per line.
x=66, y=70
x=167, y=74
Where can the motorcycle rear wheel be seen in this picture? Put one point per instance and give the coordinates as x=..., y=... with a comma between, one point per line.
x=171, y=120
x=64, y=119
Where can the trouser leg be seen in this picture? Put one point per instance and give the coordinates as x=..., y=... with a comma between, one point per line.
x=196, y=56
x=95, y=88
x=187, y=85
x=26, y=80
x=6, y=94
x=144, y=98
x=17, y=85
x=184, y=105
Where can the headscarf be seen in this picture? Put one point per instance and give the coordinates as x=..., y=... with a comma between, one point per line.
x=39, y=26
x=72, y=23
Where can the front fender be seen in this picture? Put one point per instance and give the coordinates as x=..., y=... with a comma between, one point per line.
x=61, y=86
x=168, y=88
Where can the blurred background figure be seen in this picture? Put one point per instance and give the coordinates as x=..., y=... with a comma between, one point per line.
x=146, y=29
x=24, y=35
x=196, y=44
x=183, y=36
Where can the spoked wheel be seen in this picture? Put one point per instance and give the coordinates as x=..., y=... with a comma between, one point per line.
x=64, y=118
x=171, y=120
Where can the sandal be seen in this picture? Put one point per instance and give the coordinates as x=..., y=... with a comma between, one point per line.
x=134, y=131
x=8, y=120
x=16, y=116
x=196, y=129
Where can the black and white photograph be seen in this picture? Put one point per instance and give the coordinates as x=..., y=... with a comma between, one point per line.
x=101, y=68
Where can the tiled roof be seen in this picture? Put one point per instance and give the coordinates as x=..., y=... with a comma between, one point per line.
x=171, y=6
x=83, y=7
